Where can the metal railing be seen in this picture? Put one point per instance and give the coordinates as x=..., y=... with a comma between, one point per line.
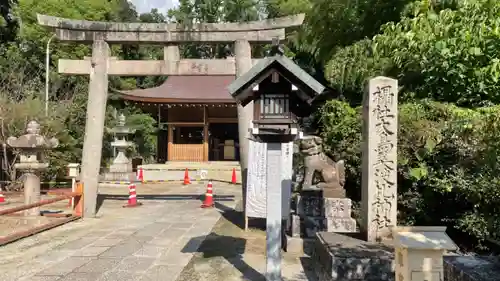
x=77, y=213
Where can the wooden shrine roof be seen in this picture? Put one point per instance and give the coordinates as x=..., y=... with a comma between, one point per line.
x=185, y=89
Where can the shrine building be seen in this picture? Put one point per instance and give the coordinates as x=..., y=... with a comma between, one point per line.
x=197, y=118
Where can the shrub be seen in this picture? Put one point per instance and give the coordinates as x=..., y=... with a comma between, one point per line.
x=447, y=164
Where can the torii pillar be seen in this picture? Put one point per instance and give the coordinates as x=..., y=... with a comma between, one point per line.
x=243, y=56
x=94, y=127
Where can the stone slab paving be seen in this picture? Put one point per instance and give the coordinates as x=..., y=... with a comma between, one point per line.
x=243, y=255
x=248, y=267
x=152, y=242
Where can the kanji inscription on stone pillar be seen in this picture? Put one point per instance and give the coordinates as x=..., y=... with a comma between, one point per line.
x=379, y=174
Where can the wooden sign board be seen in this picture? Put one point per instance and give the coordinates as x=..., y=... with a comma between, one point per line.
x=256, y=179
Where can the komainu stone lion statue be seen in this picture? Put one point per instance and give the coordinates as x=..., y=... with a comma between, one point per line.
x=315, y=160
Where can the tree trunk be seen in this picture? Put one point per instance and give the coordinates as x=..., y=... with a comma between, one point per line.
x=245, y=114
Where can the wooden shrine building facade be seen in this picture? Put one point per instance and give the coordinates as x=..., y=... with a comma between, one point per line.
x=197, y=118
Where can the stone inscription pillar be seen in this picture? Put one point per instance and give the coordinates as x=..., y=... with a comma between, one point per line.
x=243, y=53
x=94, y=126
x=273, y=211
x=379, y=174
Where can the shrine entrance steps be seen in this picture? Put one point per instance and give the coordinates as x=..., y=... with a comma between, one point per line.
x=219, y=171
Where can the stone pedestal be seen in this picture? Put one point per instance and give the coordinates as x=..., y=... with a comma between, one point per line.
x=122, y=177
x=309, y=208
x=120, y=168
x=31, y=186
x=324, y=214
x=341, y=257
x=340, y=225
x=337, y=213
x=294, y=222
x=31, y=193
x=119, y=171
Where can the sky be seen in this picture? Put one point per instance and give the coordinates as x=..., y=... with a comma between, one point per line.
x=144, y=6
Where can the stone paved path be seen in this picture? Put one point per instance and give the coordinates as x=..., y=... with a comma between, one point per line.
x=243, y=256
x=151, y=242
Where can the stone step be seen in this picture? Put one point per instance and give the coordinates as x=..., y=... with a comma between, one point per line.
x=174, y=171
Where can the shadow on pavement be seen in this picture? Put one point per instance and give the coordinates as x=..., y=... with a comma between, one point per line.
x=238, y=219
x=235, y=217
x=228, y=247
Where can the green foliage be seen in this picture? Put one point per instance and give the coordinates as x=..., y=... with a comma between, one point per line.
x=190, y=13
x=341, y=127
x=351, y=66
x=447, y=163
x=22, y=72
x=145, y=127
x=446, y=55
x=16, y=112
x=336, y=23
x=449, y=56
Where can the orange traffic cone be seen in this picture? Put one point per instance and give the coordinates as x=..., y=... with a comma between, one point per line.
x=132, y=197
x=2, y=198
x=140, y=174
x=209, y=199
x=233, y=177
x=186, y=177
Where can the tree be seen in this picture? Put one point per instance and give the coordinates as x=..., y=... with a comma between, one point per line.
x=447, y=55
x=331, y=24
x=22, y=78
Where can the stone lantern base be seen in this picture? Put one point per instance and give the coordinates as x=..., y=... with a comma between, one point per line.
x=128, y=177
x=120, y=172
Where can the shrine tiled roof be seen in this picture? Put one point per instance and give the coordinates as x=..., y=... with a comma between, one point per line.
x=185, y=89
x=310, y=88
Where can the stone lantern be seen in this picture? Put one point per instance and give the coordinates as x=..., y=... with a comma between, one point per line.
x=121, y=168
x=31, y=147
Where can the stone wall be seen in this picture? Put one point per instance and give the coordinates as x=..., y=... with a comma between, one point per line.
x=339, y=257
x=471, y=268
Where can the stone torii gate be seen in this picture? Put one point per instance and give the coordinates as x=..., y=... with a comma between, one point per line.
x=101, y=64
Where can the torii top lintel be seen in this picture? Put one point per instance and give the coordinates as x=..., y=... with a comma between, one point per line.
x=262, y=31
